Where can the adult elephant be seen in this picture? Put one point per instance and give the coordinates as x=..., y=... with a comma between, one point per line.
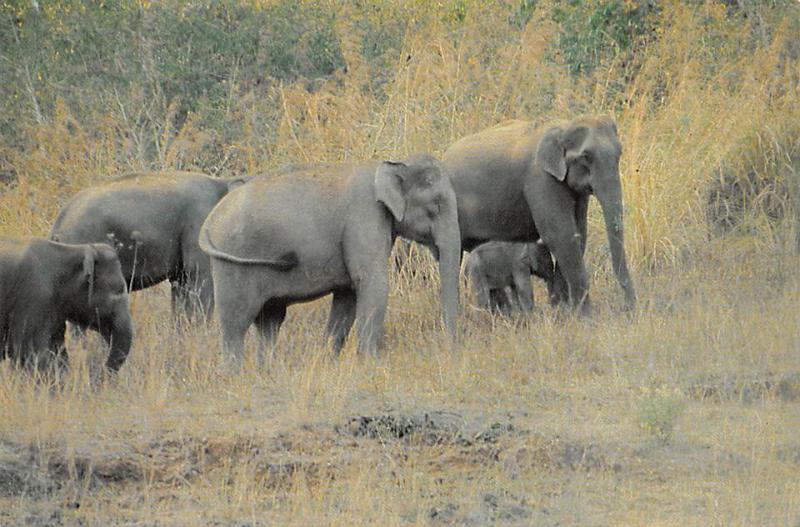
x=323, y=230
x=153, y=219
x=519, y=182
x=500, y=274
x=44, y=284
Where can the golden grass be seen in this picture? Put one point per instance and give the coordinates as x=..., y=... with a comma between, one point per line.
x=550, y=430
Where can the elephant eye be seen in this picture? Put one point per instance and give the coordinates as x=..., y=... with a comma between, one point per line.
x=588, y=156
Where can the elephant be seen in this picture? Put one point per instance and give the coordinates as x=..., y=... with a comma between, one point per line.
x=294, y=238
x=153, y=219
x=519, y=182
x=44, y=284
x=500, y=273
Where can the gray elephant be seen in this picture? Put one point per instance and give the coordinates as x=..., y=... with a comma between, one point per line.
x=277, y=241
x=519, y=182
x=44, y=284
x=500, y=274
x=153, y=219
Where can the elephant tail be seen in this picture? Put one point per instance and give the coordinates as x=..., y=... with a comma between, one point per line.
x=285, y=262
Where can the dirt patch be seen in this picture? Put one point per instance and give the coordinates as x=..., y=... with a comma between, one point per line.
x=478, y=443
x=554, y=453
x=745, y=388
x=427, y=428
x=40, y=470
x=493, y=508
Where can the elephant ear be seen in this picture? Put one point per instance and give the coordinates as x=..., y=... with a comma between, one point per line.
x=550, y=154
x=389, y=187
x=89, y=257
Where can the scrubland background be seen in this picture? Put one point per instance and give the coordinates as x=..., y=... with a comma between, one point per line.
x=685, y=412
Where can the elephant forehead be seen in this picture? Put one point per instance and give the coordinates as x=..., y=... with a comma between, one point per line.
x=423, y=176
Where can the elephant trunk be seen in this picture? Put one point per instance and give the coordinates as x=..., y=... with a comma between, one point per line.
x=448, y=244
x=119, y=335
x=610, y=197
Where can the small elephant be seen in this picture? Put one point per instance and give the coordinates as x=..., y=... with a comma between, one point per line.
x=500, y=273
x=44, y=284
x=153, y=219
x=278, y=241
x=519, y=182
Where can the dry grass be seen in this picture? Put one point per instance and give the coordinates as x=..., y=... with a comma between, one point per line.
x=530, y=421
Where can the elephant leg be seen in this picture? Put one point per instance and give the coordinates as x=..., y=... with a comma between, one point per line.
x=269, y=322
x=483, y=296
x=342, y=315
x=205, y=295
x=238, y=302
x=372, y=294
x=509, y=304
x=58, y=348
x=38, y=352
x=197, y=270
x=524, y=291
x=498, y=301
x=482, y=292
x=559, y=290
x=192, y=296
x=562, y=237
x=180, y=300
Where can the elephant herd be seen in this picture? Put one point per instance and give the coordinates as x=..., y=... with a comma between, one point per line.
x=248, y=248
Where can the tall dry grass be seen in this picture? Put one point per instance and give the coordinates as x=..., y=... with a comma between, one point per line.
x=173, y=440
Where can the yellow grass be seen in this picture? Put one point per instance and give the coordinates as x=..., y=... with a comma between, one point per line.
x=551, y=421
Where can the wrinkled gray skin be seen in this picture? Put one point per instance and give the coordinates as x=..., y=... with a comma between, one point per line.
x=153, y=219
x=500, y=274
x=517, y=182
x=278, y=241
x=44, y=284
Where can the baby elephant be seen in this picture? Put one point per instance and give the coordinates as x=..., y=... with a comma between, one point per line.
x=43, y=284
x=500, y=273
x=330, y=229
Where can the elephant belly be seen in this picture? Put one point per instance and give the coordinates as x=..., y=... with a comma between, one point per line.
x=147, y=258
x=482, y=220
x=308, y=281
x=499, y=281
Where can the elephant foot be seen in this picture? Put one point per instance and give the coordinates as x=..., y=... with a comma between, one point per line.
x=232, y=365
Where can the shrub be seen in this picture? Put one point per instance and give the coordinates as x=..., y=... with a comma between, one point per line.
x=657, y=412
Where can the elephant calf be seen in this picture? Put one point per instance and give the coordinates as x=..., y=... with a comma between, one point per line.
x=277, y=241
x=43, y=284
x=500, y=273
x=153, y=220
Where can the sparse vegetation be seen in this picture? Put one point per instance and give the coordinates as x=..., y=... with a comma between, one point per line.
x=657, y=412
x=526, y=421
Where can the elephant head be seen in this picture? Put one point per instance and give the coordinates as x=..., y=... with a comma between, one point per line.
x=537, y=257
x=96, y=297
x=584, y=155
x=422, y=202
